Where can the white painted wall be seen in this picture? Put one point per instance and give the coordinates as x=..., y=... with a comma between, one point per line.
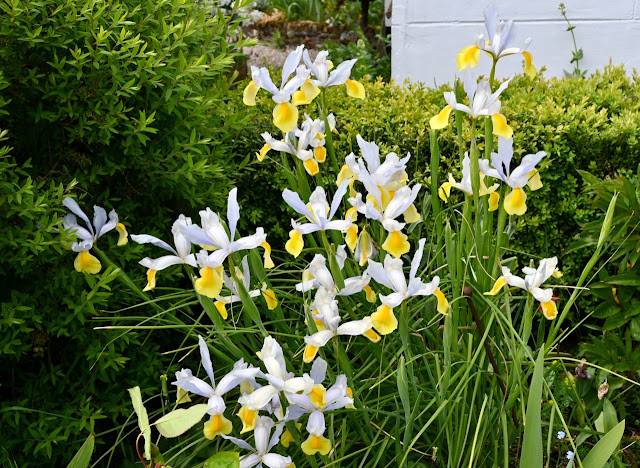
x=426, y=35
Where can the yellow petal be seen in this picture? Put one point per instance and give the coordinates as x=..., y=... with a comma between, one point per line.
x=222, y=309
x=87, y=263
x=443, y=304
x=494, y=201
x=345, y=173
x=441, y=120
x=444, y=192
x=514, y=202
x=310, y=90
x=270, y=297
x=469, y=55
x=500, y=126
x=370, y=295
x=316, y=444
x=299, y=99
x=317, y=394
x=249, y=96
x=549, y=309
x=309, y=354
x=384, y=320
x=182, y=396
x=372, y=335
x=350, y=395
x=534, y=182
x=249, y=419
x=411, y=214
x=151, y=280
x=396, y=244
x=218, y=424
x=355, y=89
x=210, y=282
x=295, y=244
x=263, y=152
x=285, y=117
x=287, y=437
x=557, y=274
x=529, y=69
x=320, y=153
x=268, y=263
x=311, y=166
x=351, y=239
x=500, y=282
x=124, y=235
x=352, y=214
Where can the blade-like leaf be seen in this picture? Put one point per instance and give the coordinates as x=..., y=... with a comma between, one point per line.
x=605, y=447
x=531, y=456
x=181, y=420
x=83, y=457
x=143, y=419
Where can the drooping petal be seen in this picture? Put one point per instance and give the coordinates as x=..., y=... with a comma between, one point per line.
x=494, y=201
x=396, y=244
x=529, y=69
x=123, y=237
x=384, y=320
x=217, y=425
x=316, y=444
x=549, y=309
x=345, y=173
x=534, y=182
x=500, y=126
x=295, y=244
x=515, y=202
x=370, y=294
x=249, y=95
x=311, y=166
x=285, y=117
x=320, y=154
x=249, y=419
x=151, y=280
x=270, y=298
x=411, y=214
x=499, y=284
x=210, y=283
x=87, y=263
x=469, y=55
x=441, y=120
x=310, y=90
x=355, y=89
x=443, y=304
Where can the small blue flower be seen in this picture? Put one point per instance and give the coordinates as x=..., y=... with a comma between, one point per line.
x=561, y=434
x=569, y=455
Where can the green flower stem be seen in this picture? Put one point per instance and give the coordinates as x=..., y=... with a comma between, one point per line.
x=404, y=329
x=492, y=75
x=333, y=263
x=291, y=180
x=303, y=182
x=327, y=132
x=500, y=236
x=435, y=203
x=247, y=301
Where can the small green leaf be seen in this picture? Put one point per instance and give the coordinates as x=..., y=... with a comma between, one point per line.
x=83, y=457
x=223, y=460
x=181, y=420
x=143, y=419
x=605, y=447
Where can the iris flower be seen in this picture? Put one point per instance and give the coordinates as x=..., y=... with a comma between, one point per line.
x=320, y=277
x=497, y=44
x=85, y=262
x=316, y=403
x=482, y=103
x=532, y=282
x=285, y=114
x=261, y=453
x=181, y=254
x=340, y=76
x=524, y=174
x=317, y=212
x=217, y=424
x=392, y=276
x=327, y=319
x=465, y=186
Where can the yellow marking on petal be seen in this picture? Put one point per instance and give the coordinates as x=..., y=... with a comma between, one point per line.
x=309, y=354
x=350, y=395
x=316, y=395
x=263, y=152
x=151, y=280
x=295, y=244
x=345, y=173
x=249, y=95
x=352, y=214
x=209, y=248
x=469, y=55
x=210, y=282
x=249, y=419
x=351, y=239
x=299, y=99
x=396, y=244
x=370, y=295
x=494, y=201
x=444, y=192
x=287, y=437
x=311, y=166
x=268, y=263
x=372, y=335
x=320, y=153
x=123, y=234
x=355, y=89
x=270, y=297
x=316, y=444
x=443, y=304
x=529, y=69
x=500, y=126
x=411, y=214
x=285, y=117
x=329, y=65
x=310, y=90
x=217, y=425
x=500, y=283
x=442, y=119
x=515, y=202
x=182, y=396
x=384, y=320
x=549, y=309
x=319, y=324
x=306, y=275
x=557, y=274
x=87, y=263
x=534, y=182
x=222, y=309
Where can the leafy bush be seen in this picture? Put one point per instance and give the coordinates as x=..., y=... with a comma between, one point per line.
x=122, y=101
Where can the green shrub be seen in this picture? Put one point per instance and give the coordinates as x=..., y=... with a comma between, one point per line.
x=123, y=104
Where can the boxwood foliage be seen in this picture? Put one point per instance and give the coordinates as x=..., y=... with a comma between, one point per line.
x=122, y=104
x=589, y=124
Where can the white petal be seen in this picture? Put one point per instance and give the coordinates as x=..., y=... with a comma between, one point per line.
x=233, y=212
x=206, y=359
x=318, y=370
